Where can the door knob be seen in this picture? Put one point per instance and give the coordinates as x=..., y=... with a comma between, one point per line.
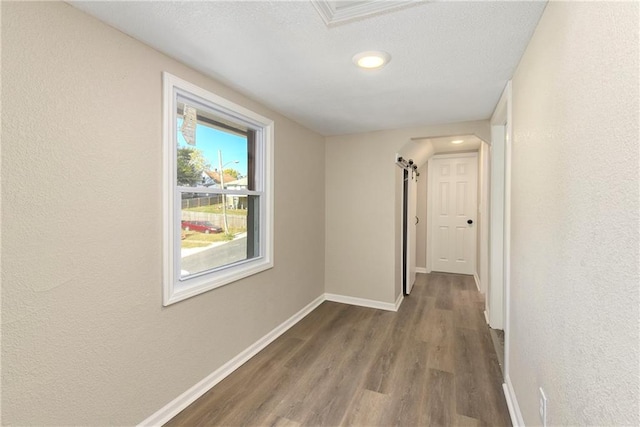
x=469, y=221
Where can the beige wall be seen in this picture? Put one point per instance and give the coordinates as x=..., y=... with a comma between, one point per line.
x=363, y=215
x=85, y=339
x=575, y=237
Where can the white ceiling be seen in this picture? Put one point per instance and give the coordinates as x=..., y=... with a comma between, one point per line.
x=450, y=60
x=444, y=144
x=420, y=149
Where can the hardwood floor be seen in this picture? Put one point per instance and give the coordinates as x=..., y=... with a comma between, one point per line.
x=431, y=363
x=497, y=336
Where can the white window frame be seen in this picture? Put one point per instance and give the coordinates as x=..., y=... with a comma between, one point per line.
x=174, y=288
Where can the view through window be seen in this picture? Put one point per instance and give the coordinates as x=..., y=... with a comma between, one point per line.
x=210, y=157
x=218, y=203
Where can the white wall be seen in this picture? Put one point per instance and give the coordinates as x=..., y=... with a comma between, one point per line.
x=362, y=185
x=85, y=339
x=575, y=235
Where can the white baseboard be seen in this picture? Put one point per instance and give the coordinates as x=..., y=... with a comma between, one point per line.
x=421, y=270
x=477, y=279
x=512, y=403
x=188, y=397
x=486, y=316
x=399, y=301
x=389, y=306
x=173, y=408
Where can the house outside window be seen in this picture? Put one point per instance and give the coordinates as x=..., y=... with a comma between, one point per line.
x=218, y=174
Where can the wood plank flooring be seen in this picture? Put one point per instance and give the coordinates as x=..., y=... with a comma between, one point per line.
x=431, y=363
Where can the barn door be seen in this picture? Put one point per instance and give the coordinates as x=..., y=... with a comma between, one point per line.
x=410, y=196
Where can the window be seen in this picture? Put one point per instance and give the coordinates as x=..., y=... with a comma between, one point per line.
x=218, y=174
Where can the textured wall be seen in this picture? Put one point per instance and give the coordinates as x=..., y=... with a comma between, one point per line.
x=85, y=339
x=362, y=209
x=575, y=238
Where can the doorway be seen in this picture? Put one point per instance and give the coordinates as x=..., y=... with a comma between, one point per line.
x=452, y=214
x=409, y=222
x=498, y=291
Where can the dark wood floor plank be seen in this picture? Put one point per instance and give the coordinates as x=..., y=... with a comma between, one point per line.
x=325, y=389
x=316, y=320
x=431, y=363
x=441, y=402
x=230, y=394
x=273, y=420
x=458, y=282
x=345, y=379
x=469, y=399
x=409, y=388
x=444, y=296
x=429, y=287
x=367, y=409
x=477, y=379
x=462, y=421
x=336, y=319
x=423, y=327
x=255, y=404
x=467, y=313
x=440, y=339
x=380, y=376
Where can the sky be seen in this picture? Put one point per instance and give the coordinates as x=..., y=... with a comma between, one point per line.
x=210, y=140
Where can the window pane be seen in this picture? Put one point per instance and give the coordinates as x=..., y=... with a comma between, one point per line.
x=211, y=151
x=217, y=230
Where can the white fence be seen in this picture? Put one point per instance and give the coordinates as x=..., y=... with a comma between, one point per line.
x=234, y=221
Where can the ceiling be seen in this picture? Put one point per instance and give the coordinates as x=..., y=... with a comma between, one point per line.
x=444, y=144
x=450, y=60
x=420, y=149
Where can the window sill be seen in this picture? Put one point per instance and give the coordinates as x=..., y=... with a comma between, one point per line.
x=198, y=285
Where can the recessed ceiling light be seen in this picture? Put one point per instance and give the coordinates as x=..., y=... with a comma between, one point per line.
x=371, y=59
x=458, y=141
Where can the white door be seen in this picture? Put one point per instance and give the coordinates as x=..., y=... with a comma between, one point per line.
x=453, y=201
x=411, y=221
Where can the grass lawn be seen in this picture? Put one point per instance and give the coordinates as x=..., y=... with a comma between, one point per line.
x=195, y=239
x=217, y=209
